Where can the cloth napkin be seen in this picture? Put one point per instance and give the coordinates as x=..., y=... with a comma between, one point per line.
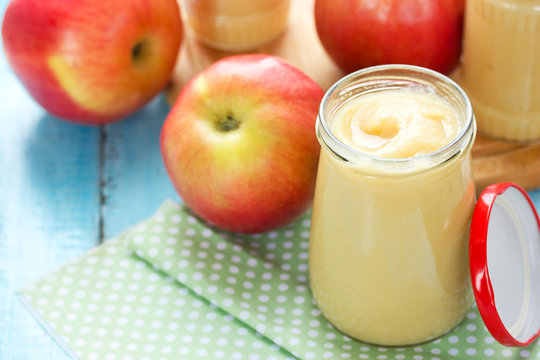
x=174, y=287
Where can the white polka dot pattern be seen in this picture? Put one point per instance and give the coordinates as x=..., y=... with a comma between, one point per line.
x=175, y=288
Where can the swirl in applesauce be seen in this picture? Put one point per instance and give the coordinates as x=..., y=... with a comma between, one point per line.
x=393, y=124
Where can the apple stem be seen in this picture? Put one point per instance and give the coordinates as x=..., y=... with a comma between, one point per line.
x=228, y=123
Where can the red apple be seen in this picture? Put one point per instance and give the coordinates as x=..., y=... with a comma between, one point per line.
x=239, y=143
x=361, y=33
x=91, y=61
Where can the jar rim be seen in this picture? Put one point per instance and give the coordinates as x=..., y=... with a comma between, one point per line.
x=348, y=153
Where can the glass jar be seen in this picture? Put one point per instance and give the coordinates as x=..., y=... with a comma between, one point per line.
x=236, y=25
x=501, y=67
x=388, y=253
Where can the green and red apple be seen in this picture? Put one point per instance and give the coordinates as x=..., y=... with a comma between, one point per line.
x=239, y=143
x=362, y=33
x=91, y=61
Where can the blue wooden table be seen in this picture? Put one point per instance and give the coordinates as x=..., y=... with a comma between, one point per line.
x=65, y=188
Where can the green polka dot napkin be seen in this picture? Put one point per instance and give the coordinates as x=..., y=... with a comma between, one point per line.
x=175, y=288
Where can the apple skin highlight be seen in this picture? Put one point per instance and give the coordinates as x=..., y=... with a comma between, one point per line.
x=259, y=175
x=92, y=62
x=360, y=33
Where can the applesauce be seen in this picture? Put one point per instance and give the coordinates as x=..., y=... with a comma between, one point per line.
x=501, y=67
x=388, y=252
x=236, y=25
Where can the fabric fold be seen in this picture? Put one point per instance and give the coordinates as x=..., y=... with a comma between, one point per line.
x=262, y=280
x=173, y=287
x=111, y=305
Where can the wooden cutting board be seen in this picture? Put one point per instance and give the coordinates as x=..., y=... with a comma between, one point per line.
x=493, y=161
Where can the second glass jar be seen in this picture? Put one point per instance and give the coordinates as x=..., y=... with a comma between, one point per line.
x=236, y=25
x=501, y=67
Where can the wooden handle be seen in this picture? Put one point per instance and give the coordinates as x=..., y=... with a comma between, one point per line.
x=518, y=164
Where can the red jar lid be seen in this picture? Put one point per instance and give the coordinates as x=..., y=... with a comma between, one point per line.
x=504, y=255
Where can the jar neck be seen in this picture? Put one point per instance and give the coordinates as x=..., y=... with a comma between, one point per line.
x=394, y=77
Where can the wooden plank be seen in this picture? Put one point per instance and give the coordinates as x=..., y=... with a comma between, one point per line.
x=49, y=198
x=135, y=182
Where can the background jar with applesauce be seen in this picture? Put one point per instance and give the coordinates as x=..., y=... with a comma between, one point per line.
x=236, y=25
x=388, y=252
x=501, y=67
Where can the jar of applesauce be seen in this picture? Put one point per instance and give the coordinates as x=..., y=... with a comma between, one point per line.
x=501, y=67
x=236, y=25
x=388, y=253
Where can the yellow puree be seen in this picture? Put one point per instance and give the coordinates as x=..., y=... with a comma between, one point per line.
x=388, y=125
x=388, y=249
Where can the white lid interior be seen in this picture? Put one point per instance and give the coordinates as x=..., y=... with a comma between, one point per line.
x=513, y=255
